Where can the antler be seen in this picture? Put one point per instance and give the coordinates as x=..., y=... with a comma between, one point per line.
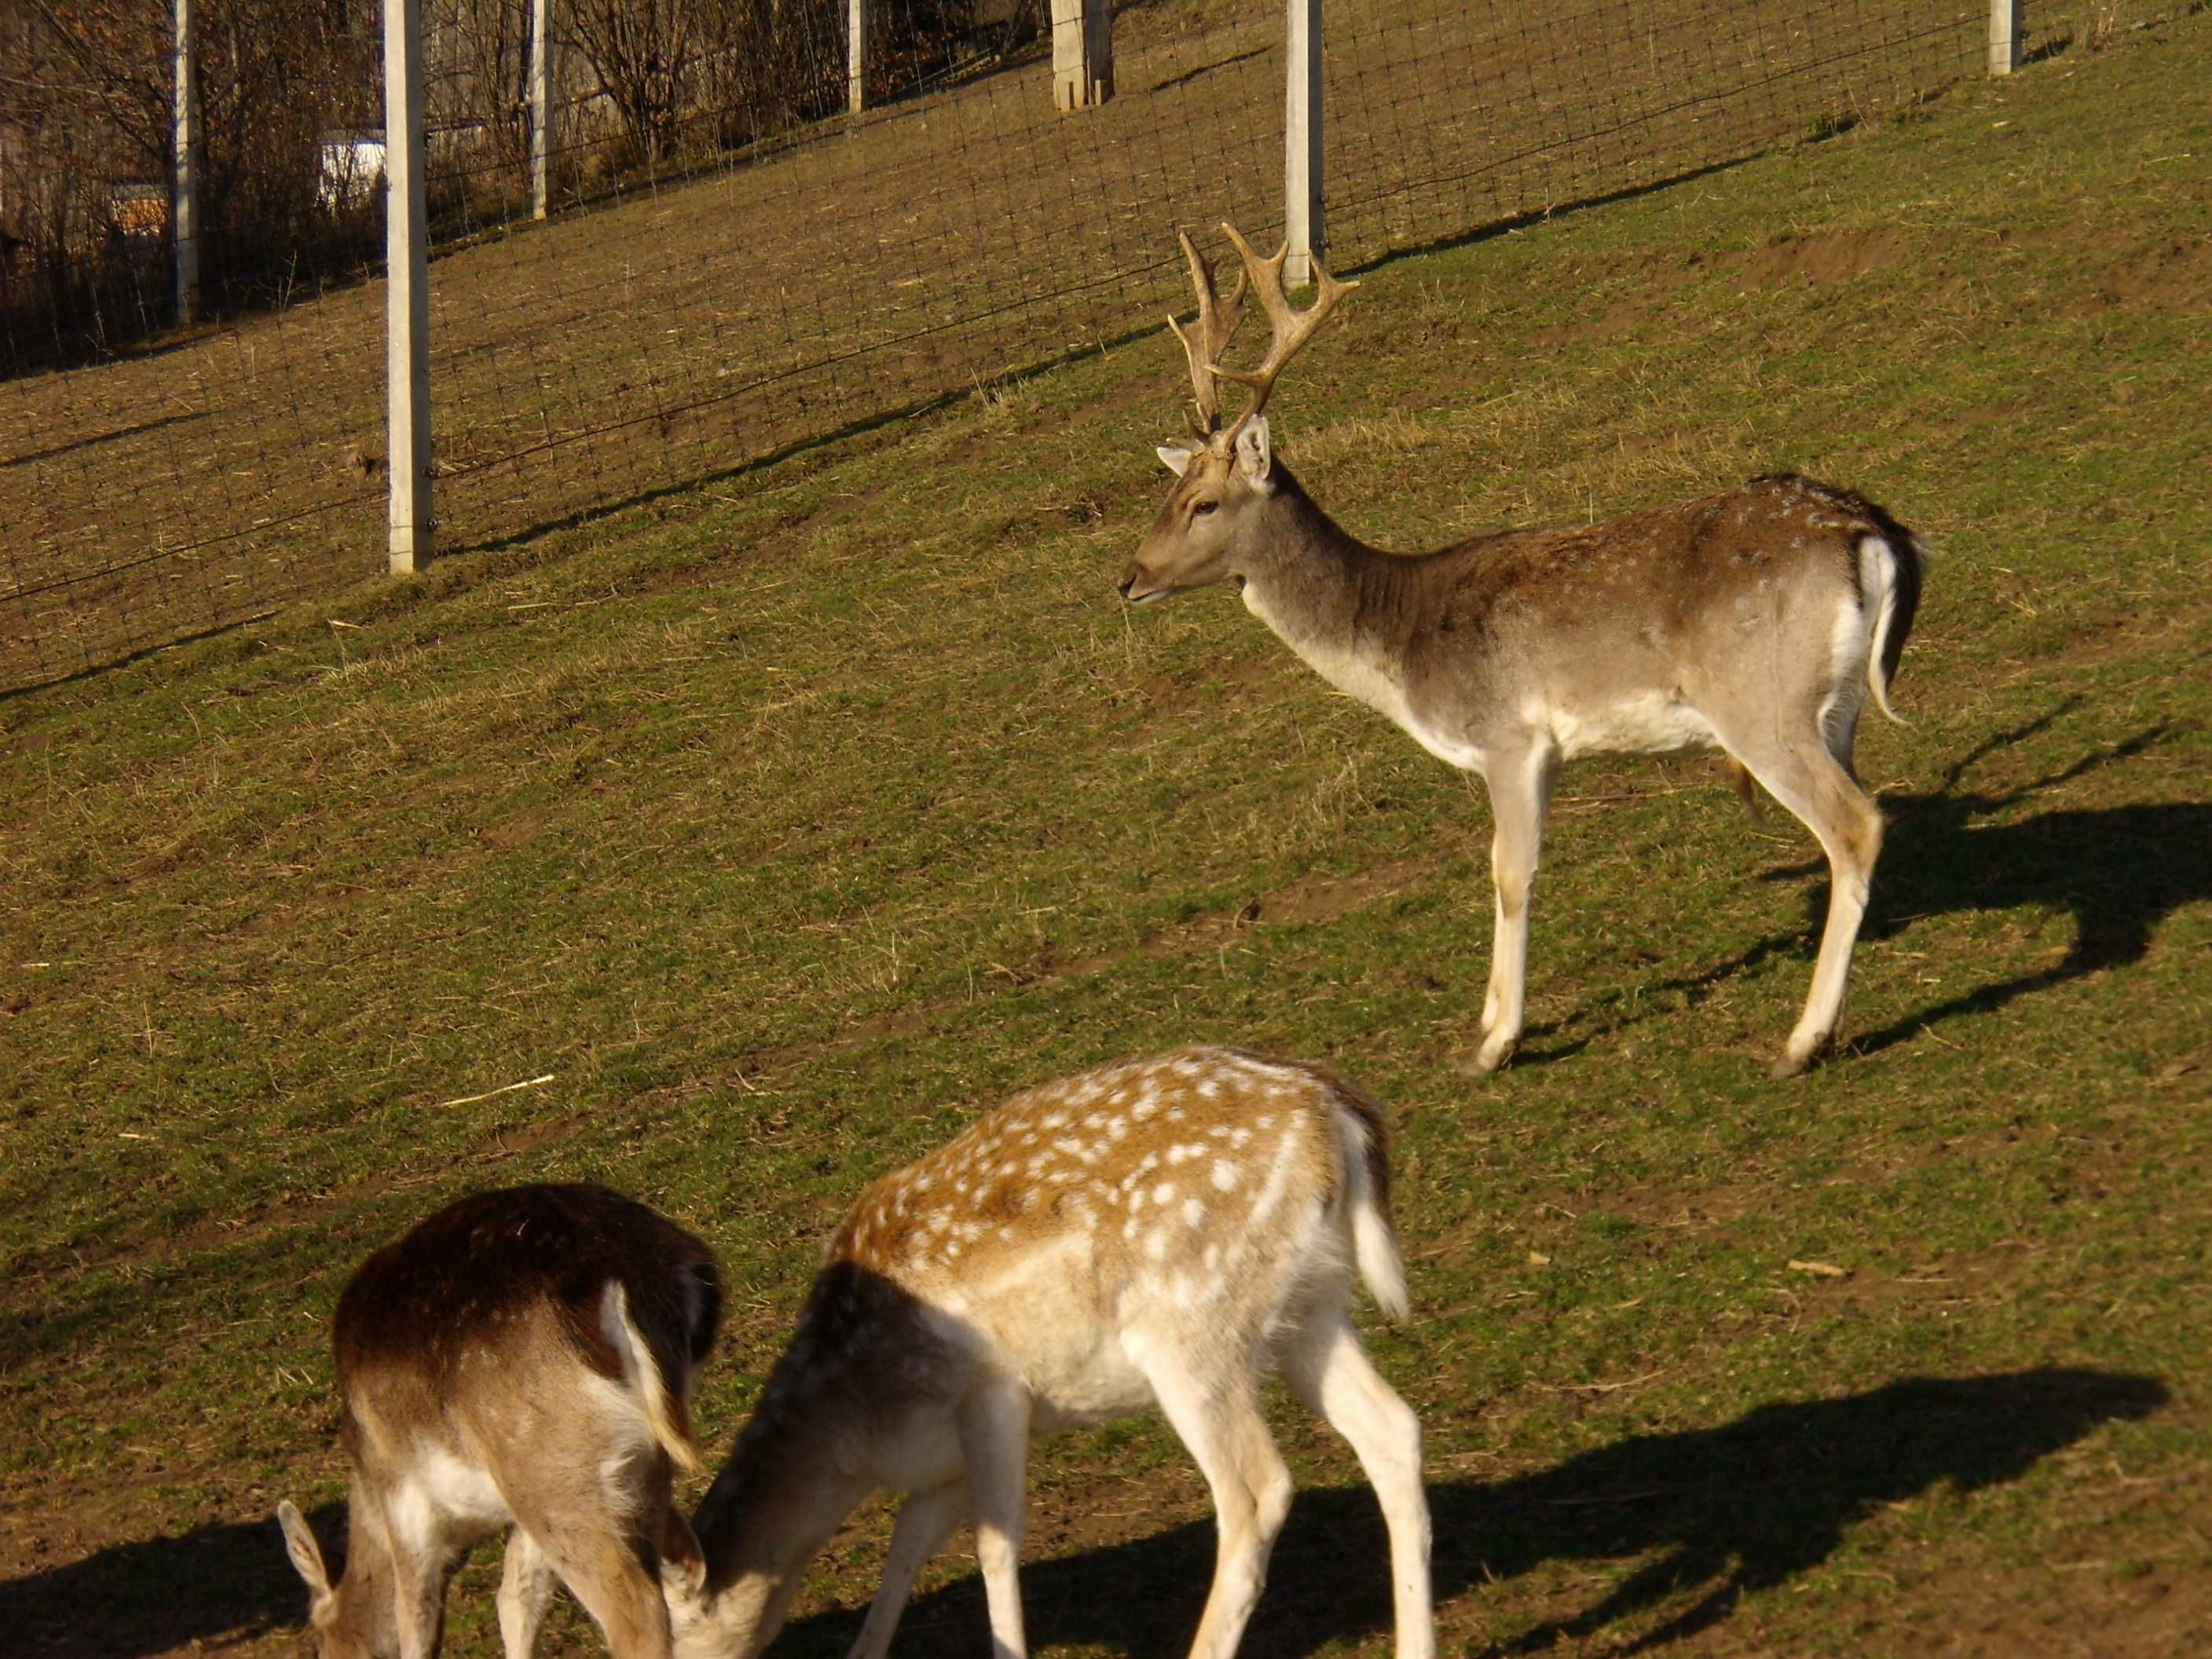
x=1293, y=328
x=1215, y=322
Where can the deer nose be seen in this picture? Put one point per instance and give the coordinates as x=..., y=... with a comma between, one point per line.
x=1128, y=580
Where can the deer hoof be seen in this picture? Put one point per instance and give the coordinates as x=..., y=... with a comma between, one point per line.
x=1789, y=1065
x=1484, y=1061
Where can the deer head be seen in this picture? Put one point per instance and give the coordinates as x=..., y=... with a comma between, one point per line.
x=352, y=1617
x=1222, y=473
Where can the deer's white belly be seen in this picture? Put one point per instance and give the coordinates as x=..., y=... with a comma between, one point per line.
x=1643, y=723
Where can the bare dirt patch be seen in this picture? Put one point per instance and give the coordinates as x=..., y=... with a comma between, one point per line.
x=2171, y=275
x=1820, y=260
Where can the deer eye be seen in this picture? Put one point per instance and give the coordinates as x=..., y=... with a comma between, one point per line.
x=1199, y=509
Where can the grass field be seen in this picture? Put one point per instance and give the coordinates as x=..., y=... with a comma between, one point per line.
x=770, y=830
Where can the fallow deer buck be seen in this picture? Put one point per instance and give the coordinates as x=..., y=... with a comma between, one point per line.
x=1757, y=621
x=1159, y=1233
x=521, y=1358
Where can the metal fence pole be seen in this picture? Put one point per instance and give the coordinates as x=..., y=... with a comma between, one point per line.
x=2004, y=36
x=541, y=111
x=407, y=309
x=1304, y=224
x=184, y=197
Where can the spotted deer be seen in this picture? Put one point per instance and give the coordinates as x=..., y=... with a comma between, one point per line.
x=1156, y=1235
x=1758, y=621
x=523, y=1358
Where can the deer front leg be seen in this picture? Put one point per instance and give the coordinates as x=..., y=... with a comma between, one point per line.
x=925, y=1520
x=994, y=1439
x=1520, y=792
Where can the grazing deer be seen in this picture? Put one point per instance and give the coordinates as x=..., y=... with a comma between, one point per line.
x=522, y=1357
x=1757, y=620
x=1156, y=1234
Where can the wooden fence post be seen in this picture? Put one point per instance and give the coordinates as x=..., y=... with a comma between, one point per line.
x=856, y=55
x=407, y=304
x=1304, y=223
x=185, y=196
x=1082, y=52
x=541, y=111
x=2004, y=36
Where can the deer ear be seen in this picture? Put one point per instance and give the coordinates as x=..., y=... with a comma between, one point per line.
x=682, y=1563
x=1177, y=454
x=307, y=1555
x=1253, y=457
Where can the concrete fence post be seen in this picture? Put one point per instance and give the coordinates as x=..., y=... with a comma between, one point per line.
x=185, y=193
x=2004, y=36
x=407, y=304
x=541, y=110
x=856, y=55
x=1304, y=223
x=1082, y=53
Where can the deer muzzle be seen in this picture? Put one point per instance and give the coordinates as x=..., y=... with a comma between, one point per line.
x=1138, y=584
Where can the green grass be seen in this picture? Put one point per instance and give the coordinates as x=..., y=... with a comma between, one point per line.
x=787, y=823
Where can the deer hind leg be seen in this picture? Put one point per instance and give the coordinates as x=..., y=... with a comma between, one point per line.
x=1215, y=1410
x=603, y=1563
x=525, y=1585
x=1519, y=794
x=926, y=1520
x=600, y=1521
x=1328, y=1370
x=1813, y=783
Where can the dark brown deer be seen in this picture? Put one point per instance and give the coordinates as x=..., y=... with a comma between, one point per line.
x=1158, y=1234
x=1758, y=621
x=523, y=1358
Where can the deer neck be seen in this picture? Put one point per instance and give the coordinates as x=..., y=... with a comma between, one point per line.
x=365, y=1612
x=767, y=1515
x=1327, y=595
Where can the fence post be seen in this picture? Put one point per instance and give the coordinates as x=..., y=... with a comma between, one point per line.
x=541, y=111
x=856, y=55
x=407, y=304
x=2004, y=36
x=184, y=197
x=1082, y=52
x=1304, y=224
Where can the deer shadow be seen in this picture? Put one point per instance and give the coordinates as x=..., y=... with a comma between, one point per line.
x=228, y=1582
x=1723, y=1511
x=2118, y=871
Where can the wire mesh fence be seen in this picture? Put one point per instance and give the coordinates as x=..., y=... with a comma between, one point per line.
x=723, y=276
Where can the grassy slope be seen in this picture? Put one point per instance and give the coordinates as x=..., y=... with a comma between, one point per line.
x=783, y=823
